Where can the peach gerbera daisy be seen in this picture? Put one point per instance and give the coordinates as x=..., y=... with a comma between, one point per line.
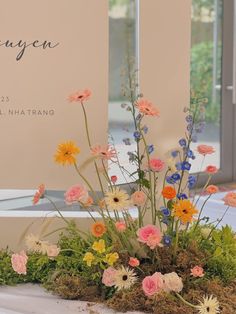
x=184, y=210
x=80, y=96
x=147, y=108
x=104, y=152
x=98, y=229
x=66, y=153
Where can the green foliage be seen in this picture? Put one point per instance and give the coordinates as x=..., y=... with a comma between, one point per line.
x=222, y=246
x=201, y=77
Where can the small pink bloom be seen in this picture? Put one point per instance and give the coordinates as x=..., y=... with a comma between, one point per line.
x=150, y=235
x=108, y=277
x=197, y=271
x=230, y=199
x=113, y=179
x=76, y=193
x=147, y=108
x=103, y=152
x=211, y=169
x=205, y=149
x=120, y=226
x=134, y=262
x=139, y=198
x=212, y=189
x=52, y=250
x=156, y=164
x=152, y=284
x=18, y=262
x=80, y=96
x=172, y=282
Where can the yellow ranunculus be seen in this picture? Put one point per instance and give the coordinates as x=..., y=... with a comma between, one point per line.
x=111, y=258
x=99, y=246
x=88, y=258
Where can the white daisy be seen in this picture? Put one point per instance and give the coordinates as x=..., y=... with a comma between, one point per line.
x=124, y=278
x=210, y=305
x=34, y=244
x=117, y=199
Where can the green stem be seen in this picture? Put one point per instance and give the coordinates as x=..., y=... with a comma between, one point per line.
x=186, y=302
x=55, y=207
x=84, y=179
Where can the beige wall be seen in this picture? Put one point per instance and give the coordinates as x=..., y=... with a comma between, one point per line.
x=164, y=75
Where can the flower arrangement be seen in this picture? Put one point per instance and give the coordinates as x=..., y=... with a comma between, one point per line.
x=171, y=259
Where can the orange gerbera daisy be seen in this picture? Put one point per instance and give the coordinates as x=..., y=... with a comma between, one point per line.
x=66, y=153
x=147, y=108
x=98, y=229
x=168, y=192
x=184, y=210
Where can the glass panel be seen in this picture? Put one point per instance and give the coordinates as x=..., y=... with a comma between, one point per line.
x=122, y=49
x=206, y=55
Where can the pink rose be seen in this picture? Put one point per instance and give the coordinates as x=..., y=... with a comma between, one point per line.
x=139, y=198
x=76, y=193
x=134, y=262
x=52, y=250
x=197, y=271
x=230, y=199
x=205, y=149
x=18, y=262
x=156, y=165
x=172, y=282
x=150, y=235
x=120, y=226
x=152, y=284
x=108, y=277
x=211, y=169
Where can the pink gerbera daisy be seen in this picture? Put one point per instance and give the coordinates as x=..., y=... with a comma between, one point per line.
x=104, y=152
x=39, y=194
x=147, y=108
x=80, y=96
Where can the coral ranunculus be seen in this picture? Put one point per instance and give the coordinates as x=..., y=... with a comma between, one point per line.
x=212, y=189
x=205, y=149
x=134, y=262
x=156, y=164
x=98, y=229
x=120, y=226
x=230, y=199
x=168, y=192
x=152, y=284
x=211, y=169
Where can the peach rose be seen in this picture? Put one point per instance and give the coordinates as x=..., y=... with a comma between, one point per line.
x=108, y=277
x=156, y=164
x=211, y=169
x=139, y=198
x=197, y=271
x=172, y=282
x=205, y=149
x=76, y=193
x=230, y=199
x=152, y=284
x=18, y=262
x=212, y=189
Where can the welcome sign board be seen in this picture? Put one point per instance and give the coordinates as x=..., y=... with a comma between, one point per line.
x=48, y=50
